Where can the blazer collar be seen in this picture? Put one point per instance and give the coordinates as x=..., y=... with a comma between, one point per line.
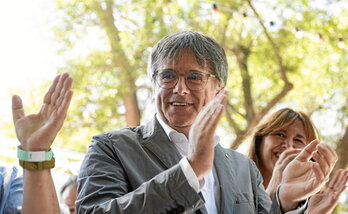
x=157, y=141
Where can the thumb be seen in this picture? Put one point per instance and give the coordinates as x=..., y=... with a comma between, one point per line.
x=17, y=108
x=308, y=151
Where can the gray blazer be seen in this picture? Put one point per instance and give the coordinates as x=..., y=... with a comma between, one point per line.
x=136, y=170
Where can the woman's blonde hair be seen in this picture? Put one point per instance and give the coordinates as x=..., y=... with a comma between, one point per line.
x=275, y=122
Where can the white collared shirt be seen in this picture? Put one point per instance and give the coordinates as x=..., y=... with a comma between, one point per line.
x=208, y=187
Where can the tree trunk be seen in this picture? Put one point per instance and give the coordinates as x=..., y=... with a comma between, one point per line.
x=120, y=61
x=253, y=117
x=242, y=54
x=132, y=109
x=341, y=150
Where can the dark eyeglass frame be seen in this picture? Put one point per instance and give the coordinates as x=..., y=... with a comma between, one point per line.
x=173, y=83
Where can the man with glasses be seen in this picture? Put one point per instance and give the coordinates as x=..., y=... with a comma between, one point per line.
x=174, y=163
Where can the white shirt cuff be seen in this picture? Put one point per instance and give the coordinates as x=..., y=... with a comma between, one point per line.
x=298, y=210
x=191, y=175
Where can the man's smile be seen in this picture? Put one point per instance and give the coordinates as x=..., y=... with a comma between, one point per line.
x=180, y=104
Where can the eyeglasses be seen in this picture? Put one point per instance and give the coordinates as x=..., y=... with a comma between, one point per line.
x=194, y=80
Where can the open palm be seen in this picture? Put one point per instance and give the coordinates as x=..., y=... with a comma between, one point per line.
x=324, y=202
x=303, y=178
x=36, y=132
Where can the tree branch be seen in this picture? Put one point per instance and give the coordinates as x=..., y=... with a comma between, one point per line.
x=282, y=69
x=242, y=54
x=341, y=150
x=230, y=120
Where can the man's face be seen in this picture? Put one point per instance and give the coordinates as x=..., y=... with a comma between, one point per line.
x=179, y=106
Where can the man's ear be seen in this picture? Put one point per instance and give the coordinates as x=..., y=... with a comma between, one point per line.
x=219, y=87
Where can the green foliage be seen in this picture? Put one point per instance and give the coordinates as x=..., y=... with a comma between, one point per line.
x=109, y=59
x=318, y=69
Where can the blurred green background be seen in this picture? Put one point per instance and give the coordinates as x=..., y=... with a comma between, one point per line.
x=281, y=54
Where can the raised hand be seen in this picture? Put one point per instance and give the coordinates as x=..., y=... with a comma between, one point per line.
x=284, y=159
x=325, y=202
x=303, y=178
x=36, y=132
x=201, y=135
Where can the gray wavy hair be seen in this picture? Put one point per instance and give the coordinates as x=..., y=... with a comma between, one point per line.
x=206, y=50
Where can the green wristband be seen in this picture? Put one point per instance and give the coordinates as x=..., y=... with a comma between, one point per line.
x=34, y=156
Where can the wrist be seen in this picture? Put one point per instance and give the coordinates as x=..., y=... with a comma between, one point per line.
x=199, y=169
x=34, y=156
x=35, y=160
x=272, y=186
x=34, y=148
x=285, y=201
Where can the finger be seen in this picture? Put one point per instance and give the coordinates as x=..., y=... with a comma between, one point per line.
x=66, y=86
x=342, y=177
x=58, y=89
x=217, y=109
x=339, y=191
x=207, y=121
x=218, y=99
x=287, y=153
x=328, y=153
x=345, y=179
x=335, y=178
x=307, y=152
x=224, y=97
x=209, y=108
x=216, y=117
x=17, y=108
x=323, y=164
x=49, y=103
x=327, y=158
x=287, y=160
x=338, y=184
x=59, y=116
x=319, y=175
x=62, y=110
x=47, y=97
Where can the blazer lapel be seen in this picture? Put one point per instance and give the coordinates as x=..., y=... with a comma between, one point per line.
x=156, y=140
x=226, y=177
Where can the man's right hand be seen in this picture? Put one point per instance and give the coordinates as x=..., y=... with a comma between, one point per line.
x=36, y=132
x=201, y=136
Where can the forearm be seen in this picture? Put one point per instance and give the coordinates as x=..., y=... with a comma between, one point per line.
x=39, y=193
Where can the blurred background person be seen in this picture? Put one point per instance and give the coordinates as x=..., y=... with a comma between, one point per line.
x=68, y=195
x=11, y=189
x=276, y=141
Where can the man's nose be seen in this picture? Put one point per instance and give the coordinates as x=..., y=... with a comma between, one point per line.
x=181, y=87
